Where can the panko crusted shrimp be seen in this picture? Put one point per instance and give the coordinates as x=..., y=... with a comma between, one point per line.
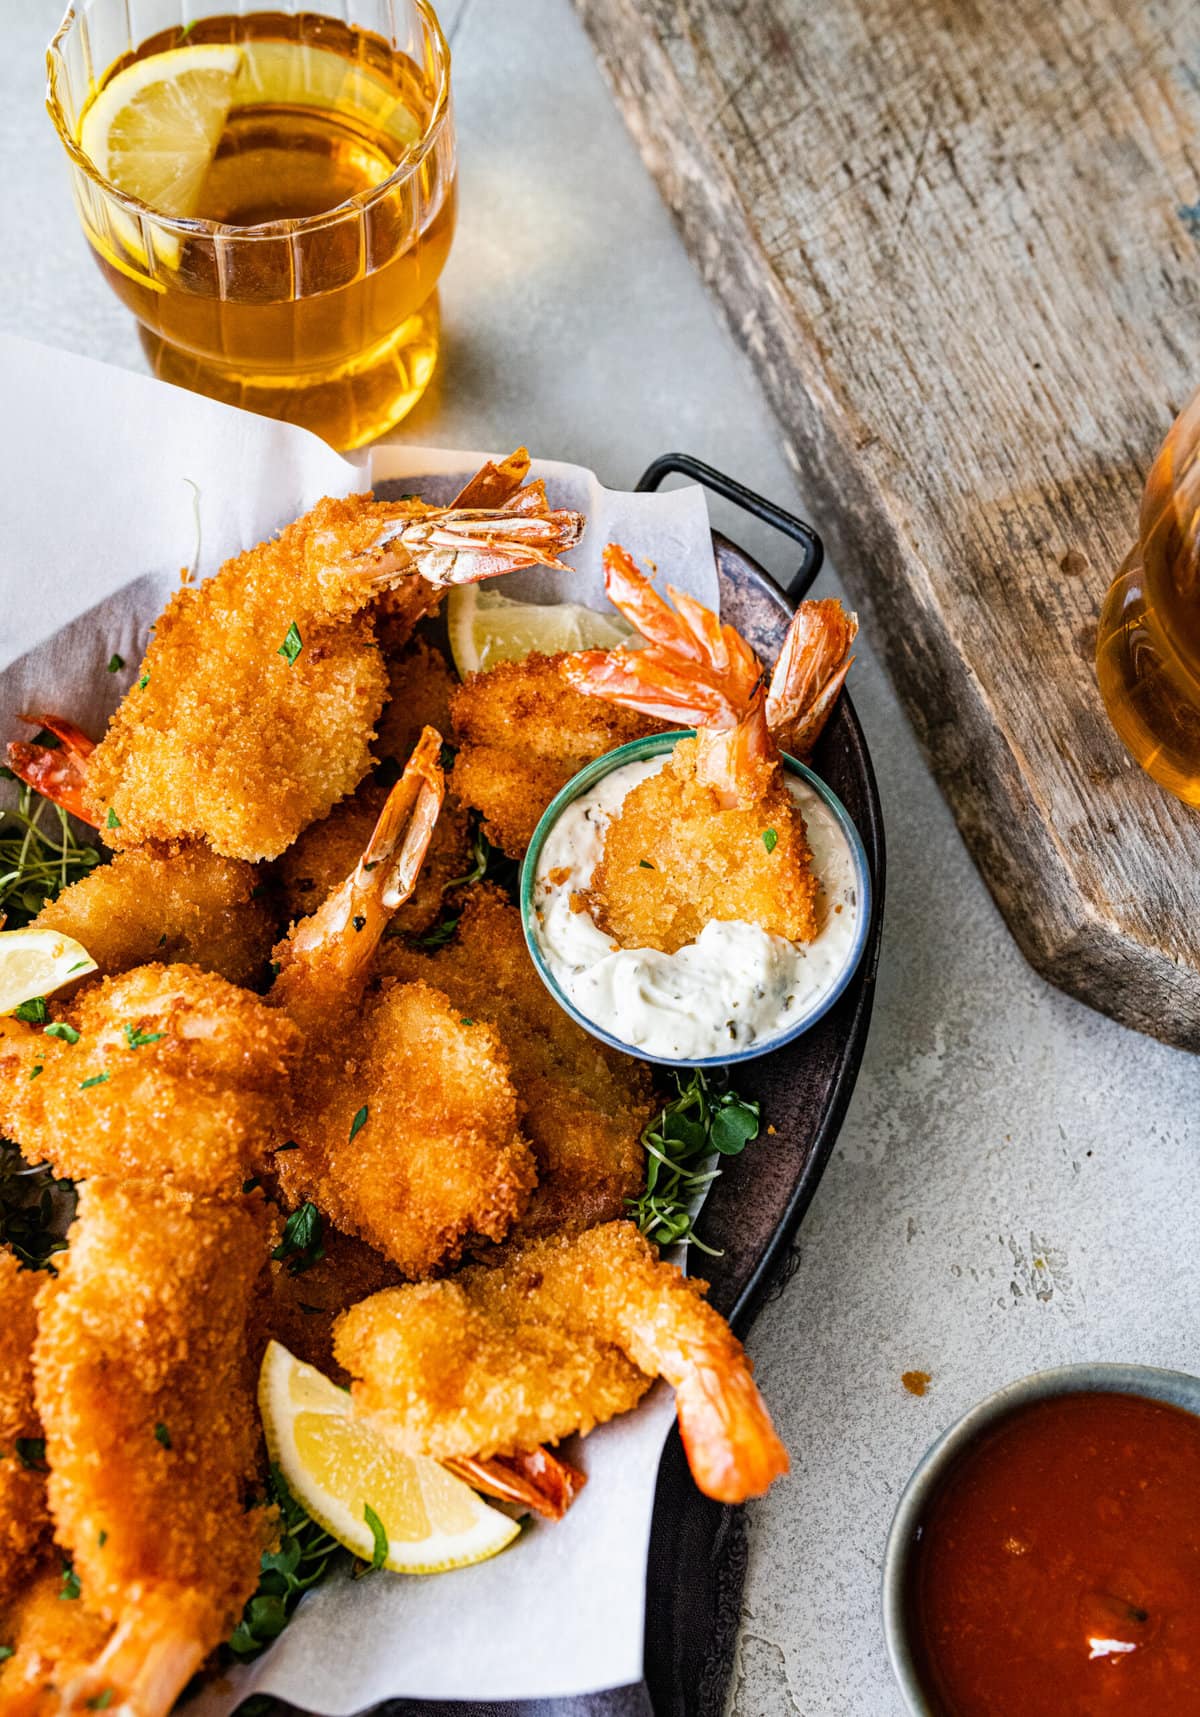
x=144, y=1384
x=52, y=1637
x=559, y=1337
x=257, y=700
x=23, y=1516
x=164, y=1073
x=715, y=834
x=403, y=1124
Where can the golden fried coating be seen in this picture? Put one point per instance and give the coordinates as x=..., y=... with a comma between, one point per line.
x=407, y=1127
x=53, y=1638
x=304, y=1305
x=164, y=1072
x=421, y=683
x=145, y=1388
x=675, y=859
x=522, y=733
x=559, y=1337
x=223, y=738
x=180, y=902
x=23, y=1517
x=584, y=1105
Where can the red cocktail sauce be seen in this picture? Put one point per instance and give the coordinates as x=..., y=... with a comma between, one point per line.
x=1057, y=1572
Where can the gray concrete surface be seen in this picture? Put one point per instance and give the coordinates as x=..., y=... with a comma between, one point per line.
x=1016, y=1183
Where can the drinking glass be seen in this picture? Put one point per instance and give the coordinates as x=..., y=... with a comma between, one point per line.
x=299, y=278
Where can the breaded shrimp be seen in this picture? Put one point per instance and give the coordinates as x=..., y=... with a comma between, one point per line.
x=52, y=1635
x=557, y=1338
x=176, y=903
x=164, y=1072
x=402, y=1112
x=145, y=1389
x=257, y=700
x=522, y=733
x=23, y=1517
x=715, y=834
x=584, y=1106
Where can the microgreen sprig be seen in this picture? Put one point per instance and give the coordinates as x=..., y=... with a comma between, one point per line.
x=39, y=856
x=683, y=1145
x=301, y=1561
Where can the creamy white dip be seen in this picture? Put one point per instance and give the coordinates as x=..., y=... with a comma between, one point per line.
x=734, y=986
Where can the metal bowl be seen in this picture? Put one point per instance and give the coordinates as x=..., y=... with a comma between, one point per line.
x=1176, y=1387
x=656, y=745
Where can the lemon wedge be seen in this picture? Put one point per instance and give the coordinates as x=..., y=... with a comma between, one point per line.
x=339, y=1469
x=37, y=962
x=486, y=628
x=154, y=130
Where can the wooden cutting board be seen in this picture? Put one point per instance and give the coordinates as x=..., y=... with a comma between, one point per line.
x=960, y=241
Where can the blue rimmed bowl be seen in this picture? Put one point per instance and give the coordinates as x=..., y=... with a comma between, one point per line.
x=637, y=751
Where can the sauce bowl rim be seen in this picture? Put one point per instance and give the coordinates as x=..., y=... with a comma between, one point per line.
x=633, y=752
x=1153, y=1383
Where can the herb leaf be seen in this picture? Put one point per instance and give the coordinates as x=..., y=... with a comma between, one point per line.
x=137, y=1039
x=304, y=1557
x=70, y=1582
x=96, y=1079
x=35, y=1209
x=31, y=1452
x=33, y=1012
x=358, y=1123
x=770, y=840
x=379, y=1533
x=115, y=663
x=59, y=1028
x=292, y=645
x=301, y=1246
x=682, y=1145
x=162, y=1435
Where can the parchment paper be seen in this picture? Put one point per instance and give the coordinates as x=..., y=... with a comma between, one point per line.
x=112, y=482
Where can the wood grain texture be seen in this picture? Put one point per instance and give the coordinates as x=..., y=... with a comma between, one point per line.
x=958, y=241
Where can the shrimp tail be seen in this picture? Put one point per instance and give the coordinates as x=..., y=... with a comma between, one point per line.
x=731, y=1445
x=59, y=772
x=142, y=1670
x=496, y=482
x=809, y=674
x=538, y=1480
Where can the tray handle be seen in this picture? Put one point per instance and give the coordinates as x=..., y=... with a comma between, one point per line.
x=798, y=530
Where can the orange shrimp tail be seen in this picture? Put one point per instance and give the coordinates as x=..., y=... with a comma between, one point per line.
x=58, y=773
x=495, y=483
x=539, y=1480
x=144, y=1667
x=809, y=674
x=731, y=1445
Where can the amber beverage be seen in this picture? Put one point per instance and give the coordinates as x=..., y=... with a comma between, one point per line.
x=294, y=269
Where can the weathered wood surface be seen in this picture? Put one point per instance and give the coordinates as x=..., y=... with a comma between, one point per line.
x=958, y=241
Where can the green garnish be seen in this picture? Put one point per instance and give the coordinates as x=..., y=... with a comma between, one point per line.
x=115, y=663
x=112, y=821
x=6, y=1652
x=60, y=1028
x=35, y=1209
x=102, y=1538
x=143, y=682
x=358, y=1123
x=162, y=1435
x=70, y=1582
x=96, y=1079
x=33, y=1012
x=138, y=1039
x=35, y=1070
x=466, y=1022
x=292, y=645
x=380, y=1553
x=100, y=1701
x=438, y=937
x=681, y=1143
x=301, y=1245
x=302, y=1560
x=644, y=864
x=39, y=857
x=31, y=1452
x=770, y=840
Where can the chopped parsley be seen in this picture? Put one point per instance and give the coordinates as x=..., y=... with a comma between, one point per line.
x=770, y=840
x=60, y=1028
x=100, y=1701
x=301, y=1246
x=379, y=1554
x=31, y=1452
x=35, y=1069
x=115, y=663
x=33, y=1012
x=162, y=1435
x=70, y=1582
x=644, y=864
x=112, y=821
x=96, y=1079
x=35, y=1209
x=682, y=1144
x=292, y=645
x=6, y=1652
x=358, y=1123
x=138, y=1039
x=143, y=682
x=466, y=1022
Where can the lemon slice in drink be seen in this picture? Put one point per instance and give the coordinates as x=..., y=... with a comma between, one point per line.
x=154, y=130
x=486, y=628
x=338, y=1467
x=37, y=962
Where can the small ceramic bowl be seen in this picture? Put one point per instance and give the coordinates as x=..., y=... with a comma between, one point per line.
x=1176, y=1387
x=655, y=746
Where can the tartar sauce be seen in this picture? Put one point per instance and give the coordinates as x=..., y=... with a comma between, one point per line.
x=733, y=987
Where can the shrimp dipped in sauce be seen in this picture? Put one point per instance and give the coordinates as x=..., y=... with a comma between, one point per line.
x=256, y=704
x=716, y=834
x=403, y=1123
x=557, y=1338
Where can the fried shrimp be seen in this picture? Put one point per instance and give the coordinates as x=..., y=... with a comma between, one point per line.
x=584, y=1106
x=715, y=834
x=558, y=1338
x=164, y=1072
x=402, y=1114
x=144, y=1384
x=52, y=1635
x=176, y=903
x=522, y=733
x=257, y=699
x=23, y=1517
